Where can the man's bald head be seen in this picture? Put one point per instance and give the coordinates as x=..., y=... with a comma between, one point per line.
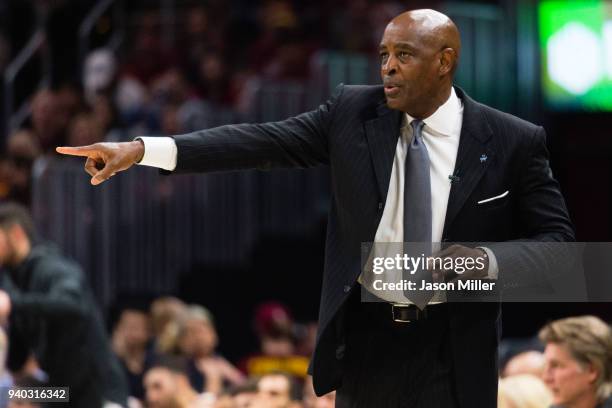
x=419, y=51
x=435, y=28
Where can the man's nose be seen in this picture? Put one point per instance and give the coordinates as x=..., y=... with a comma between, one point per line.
x=390, y=67
x=547, y=376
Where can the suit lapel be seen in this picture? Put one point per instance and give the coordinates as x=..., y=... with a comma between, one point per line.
x=382, y=133
x=474, y=155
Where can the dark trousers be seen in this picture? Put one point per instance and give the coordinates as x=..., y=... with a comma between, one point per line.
x=396, y=365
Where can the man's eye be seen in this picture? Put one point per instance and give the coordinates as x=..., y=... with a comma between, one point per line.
x=404, y=54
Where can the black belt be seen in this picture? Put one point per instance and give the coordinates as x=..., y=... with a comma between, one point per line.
x=395, y=313
x=407, y=313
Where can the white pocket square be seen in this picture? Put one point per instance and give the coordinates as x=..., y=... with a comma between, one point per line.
x=497, y=197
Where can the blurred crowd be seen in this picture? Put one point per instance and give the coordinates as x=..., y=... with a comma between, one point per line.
x=169, y=349
x=169, y=354
x=207, y=75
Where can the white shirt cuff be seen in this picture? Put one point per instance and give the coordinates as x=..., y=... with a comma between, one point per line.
x=159, y=152
x=493, y=271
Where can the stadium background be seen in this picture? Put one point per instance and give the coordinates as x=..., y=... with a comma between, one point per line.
x=230, y=241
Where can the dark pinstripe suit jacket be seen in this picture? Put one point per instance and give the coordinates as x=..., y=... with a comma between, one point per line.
x=356, y=134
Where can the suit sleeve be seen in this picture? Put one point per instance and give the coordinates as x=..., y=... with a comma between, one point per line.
x=300, y=141
x=545, y=255
x=63, y=298
x=541, y=206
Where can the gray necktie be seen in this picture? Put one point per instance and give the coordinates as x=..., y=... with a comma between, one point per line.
x=417, y=211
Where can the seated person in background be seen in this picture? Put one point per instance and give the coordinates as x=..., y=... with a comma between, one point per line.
x=527, y=362
x=275, y=330
x=240, y=396
x=130, y=343
x=277, y=390
x=197, y=340
x=244, y=395
x=165, y=312
x=52, y=315
x=523, y=391
x=25, y=382
x=578, y=357
x=311, y=400
x=167, y=386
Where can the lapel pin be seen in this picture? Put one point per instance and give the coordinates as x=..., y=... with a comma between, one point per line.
x=483, y=158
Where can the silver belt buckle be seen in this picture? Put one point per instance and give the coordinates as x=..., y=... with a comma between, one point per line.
x=395, y=317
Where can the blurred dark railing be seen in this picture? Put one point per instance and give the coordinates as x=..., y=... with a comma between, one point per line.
x=117, y=9
x=17, y=111
x=139, y=231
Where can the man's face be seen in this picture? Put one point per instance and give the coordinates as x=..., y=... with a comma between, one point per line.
x=199, y=338
x=160, y=388
x=567, y=379
x=273, y=391
x=134, y=326
x=410, y=63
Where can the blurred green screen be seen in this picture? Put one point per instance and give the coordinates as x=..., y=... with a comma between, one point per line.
x=576, y=46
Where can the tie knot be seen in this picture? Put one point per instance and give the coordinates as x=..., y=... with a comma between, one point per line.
x=417, y=127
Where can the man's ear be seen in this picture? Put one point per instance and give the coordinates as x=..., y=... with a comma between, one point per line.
x=448, y=59
x=592, y=373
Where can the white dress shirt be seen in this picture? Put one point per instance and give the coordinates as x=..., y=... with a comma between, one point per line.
x=441, y=136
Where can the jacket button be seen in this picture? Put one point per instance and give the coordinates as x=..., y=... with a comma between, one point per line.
x=340, y=352
x=380, y=205
x=347, y=288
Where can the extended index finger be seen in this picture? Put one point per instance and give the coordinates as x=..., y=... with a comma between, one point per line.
x=84, y=151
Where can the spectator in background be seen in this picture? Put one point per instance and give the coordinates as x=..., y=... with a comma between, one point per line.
x=99, y=74
x=274, y=327
x=167, y=386
x=214, y=82
x=47, y=120
x=165, y=313
x=26, y=382
x=277, y=390
x=148, y=57
x=244, y=395
x=201, y=33
x=131, y=339
x=170, y=122
x=6, y=380
x=311, y=400
x=85, y=129
x=70, y=101
x=528, y=362
x=523, y=391
x=52, y=314
x=105, y=114
x=578, y=358
x=116, y=102
x=197, y=341
x=22, y=150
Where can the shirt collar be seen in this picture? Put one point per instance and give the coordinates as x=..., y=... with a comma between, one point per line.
x=443, y=121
